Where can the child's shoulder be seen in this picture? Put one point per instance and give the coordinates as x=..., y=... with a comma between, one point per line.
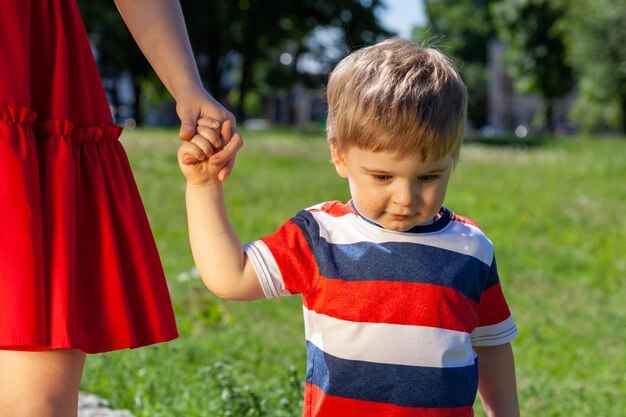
x=469, y=238
x=333, y=208
x=467, y=228
x=464, y=220
x=323, y=215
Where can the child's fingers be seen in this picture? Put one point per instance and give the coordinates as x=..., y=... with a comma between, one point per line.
x=205, y=145
x=189, y=153
x=212, y=135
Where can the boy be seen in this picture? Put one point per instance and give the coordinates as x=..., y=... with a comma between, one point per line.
x=402, y=301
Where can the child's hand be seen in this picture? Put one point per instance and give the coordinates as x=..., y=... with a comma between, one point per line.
x=199, y=158
x=209, y=129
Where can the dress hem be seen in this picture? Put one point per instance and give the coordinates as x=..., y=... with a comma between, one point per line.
x=42, y=347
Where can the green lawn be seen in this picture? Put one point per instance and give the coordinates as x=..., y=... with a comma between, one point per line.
x=556, y=214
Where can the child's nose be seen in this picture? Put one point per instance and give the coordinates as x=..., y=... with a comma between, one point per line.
x=407, y=194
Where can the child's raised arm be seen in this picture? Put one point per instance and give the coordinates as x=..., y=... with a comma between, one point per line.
x=224, y=267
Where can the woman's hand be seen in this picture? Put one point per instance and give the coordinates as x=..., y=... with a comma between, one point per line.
x=202, y=115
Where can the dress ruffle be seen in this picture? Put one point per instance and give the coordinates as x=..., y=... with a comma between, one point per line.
x=78, y=263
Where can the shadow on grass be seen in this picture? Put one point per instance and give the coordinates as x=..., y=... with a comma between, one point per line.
x=509, y=140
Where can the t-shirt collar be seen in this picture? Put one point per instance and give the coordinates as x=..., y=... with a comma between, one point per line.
x=443, y=218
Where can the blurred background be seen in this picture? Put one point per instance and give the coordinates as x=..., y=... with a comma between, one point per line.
x=531, y=66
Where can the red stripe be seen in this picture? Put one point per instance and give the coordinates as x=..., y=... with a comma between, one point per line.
x=318, y=404
x=297, y=265
x=463, y=219
x=394, y=303
x=336, y=208
x=493, y=306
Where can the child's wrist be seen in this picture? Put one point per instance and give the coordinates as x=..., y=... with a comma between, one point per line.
x=212, y=184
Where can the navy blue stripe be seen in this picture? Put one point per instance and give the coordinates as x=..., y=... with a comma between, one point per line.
x=401, y=385
x=440, y=223
x=395, y=261
x=308, y=226
x=493, y=277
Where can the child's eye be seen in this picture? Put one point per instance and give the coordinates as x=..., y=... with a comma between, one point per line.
x=381, y=177
x=428, y=178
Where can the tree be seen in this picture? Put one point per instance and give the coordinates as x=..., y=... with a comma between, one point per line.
x=241, y=40
x=463, y=28
x=116, y=50
x=533, y=33
x=247, y=37
x=596, y=33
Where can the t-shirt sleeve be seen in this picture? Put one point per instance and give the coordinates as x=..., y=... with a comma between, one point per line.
x=496, y=325
x=283, y=260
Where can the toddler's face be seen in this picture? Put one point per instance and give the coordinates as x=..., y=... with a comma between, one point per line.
x=397, y=192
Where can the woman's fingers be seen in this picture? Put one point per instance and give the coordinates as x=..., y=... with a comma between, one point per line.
x=209, y=122
x=226, y=156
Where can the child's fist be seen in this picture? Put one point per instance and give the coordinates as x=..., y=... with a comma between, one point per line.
x=195, y=156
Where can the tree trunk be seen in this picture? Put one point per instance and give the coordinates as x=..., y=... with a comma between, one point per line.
x=214, y=76
x=137, y=103
x=244, y=86
x=549, y=123
x=215, y=53
x=623, y=104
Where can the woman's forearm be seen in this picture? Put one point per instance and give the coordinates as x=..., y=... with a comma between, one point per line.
x=159, y=29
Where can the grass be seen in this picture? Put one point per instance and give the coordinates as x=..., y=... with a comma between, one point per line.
x=555, y=213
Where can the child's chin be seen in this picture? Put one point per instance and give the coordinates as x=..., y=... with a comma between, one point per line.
x=399, y=226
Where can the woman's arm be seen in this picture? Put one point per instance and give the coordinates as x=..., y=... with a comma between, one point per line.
x=159, y=29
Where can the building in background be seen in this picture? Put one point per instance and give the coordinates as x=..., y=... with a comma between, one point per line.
x=510, y=111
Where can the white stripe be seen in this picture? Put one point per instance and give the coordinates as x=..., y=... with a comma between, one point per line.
x=458, y=237
x=316, y=207
x=266, y=269
x=496, y=334
x=388, y=343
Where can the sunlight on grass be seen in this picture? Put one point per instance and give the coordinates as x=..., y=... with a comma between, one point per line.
x=555, y=214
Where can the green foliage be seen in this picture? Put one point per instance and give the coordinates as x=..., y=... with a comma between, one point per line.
x=246, y=39
x=117, y=54
x=535, y=56
x=116, y=50
x=553, y=47
x=463, y=30
x=596, y=33
x=466, y=26
x=596, y=108
x=237, y=43
x=554, y=212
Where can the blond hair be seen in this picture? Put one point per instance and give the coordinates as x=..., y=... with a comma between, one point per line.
x=399, y=97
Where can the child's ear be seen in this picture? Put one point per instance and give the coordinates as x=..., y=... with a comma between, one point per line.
x=339, y=160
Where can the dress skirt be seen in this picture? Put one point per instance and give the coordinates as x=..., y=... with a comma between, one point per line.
x=78, y=264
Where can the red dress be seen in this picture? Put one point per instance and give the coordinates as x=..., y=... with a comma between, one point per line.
x=78, y=264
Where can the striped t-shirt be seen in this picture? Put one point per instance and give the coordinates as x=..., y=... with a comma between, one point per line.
x=390, y=317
